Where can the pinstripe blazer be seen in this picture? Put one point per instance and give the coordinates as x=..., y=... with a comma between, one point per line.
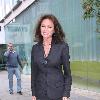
x=47, y=76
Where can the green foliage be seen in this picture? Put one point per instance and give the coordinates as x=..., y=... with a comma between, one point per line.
x=91, y=8
x=90, y=69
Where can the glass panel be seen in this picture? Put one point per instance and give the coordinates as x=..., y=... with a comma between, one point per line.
x=20, y=36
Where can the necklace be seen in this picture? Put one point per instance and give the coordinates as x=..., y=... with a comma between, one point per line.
x=46, y=44
x=47, y=48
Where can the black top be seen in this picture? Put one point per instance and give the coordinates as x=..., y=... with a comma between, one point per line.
x=47, y=76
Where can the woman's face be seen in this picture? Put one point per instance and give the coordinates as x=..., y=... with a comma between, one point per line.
x=47, y=28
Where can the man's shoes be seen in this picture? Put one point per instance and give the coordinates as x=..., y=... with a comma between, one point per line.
x=20, y=93
x=11, y=92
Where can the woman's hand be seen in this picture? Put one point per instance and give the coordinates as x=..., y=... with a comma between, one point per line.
x=33, y=98
x=65, y=98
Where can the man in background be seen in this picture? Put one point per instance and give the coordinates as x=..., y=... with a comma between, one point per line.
x=12, y=66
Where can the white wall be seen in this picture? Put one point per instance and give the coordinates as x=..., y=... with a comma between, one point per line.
x=6, y=6
x=2, y=35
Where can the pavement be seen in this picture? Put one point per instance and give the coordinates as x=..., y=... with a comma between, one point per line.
x=76, y=93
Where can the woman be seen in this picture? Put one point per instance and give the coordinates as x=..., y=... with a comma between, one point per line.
x=50, y=67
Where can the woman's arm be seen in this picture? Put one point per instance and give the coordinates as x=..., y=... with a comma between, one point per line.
x=33, y=72
x=67, y=71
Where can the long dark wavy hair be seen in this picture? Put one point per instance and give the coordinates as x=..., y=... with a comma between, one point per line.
x=57, y=37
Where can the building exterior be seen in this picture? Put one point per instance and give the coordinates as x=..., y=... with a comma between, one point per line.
x=2, y=34
x=6, y=6
x=81, y=35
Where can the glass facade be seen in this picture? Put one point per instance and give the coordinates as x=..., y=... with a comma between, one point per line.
x=19, y=35
x=81, y=36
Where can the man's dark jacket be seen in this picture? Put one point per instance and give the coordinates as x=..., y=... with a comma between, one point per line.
x=51, y=75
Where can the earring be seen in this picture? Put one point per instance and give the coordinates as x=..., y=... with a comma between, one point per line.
x=54, y=34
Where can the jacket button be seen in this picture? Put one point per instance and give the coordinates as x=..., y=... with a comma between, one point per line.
x=45, y=62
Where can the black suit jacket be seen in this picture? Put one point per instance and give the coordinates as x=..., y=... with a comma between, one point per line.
x=47, y=76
